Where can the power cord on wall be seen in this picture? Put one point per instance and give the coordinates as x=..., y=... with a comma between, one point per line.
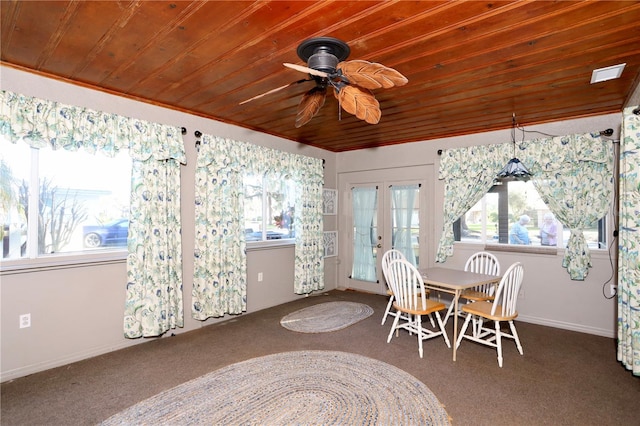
x=613, y=288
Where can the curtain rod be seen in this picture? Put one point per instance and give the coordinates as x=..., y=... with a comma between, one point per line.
x=607, y=132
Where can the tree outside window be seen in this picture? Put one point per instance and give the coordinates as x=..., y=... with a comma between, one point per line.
x=51, y=201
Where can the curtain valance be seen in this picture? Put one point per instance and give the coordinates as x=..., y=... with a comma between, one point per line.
x=43, y=123
x=223, y=153
x=461, y=163
x=561, y=152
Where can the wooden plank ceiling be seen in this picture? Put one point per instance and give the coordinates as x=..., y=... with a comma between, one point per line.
x=470, y=65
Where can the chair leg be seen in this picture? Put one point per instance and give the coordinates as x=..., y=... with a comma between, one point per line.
x=418, y=322
x=515, y=336
x=444, y=332
x=463, y=330
x=499, y=343
x=388, y=310
x=394, y=325
x=433, y=324
x=477, y=326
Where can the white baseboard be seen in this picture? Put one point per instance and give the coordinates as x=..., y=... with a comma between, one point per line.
x=564, y=325
x=568, y=326
x=36, y=368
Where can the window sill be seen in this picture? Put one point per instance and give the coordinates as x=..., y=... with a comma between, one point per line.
x=270, y=244
x=552, y=251
x=61, y=261
x=536, y=250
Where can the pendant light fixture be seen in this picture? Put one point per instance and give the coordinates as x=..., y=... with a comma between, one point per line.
x=514, y=170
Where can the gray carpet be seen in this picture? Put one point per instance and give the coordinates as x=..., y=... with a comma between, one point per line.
x=325, y=317
x=301, y=388
x=563, y=378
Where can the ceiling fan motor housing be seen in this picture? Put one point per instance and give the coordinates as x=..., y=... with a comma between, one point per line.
x=323, y=61
x=323, y=53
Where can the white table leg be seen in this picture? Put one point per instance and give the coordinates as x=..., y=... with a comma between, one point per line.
x=455, y=321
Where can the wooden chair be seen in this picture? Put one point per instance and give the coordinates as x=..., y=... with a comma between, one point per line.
x=408, y=289
x=481, y=262
x=501, y=309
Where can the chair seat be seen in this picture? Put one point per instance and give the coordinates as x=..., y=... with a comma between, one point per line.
x=475, y=295
x=483, y=309
x=432, y=306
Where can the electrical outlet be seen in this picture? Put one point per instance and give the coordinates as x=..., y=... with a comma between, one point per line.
x=613, y=289
x=25, y=320
x=259, y=276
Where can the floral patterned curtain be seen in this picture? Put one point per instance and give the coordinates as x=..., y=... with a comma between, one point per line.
x=574, y=176
x=468, y=173
x=565, y=169
x=220, y=276
x=154, y=288
x=629, y=243
x=309, y=263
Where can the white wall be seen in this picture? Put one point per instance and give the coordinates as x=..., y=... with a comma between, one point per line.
x=550, y=297
x=77, y=312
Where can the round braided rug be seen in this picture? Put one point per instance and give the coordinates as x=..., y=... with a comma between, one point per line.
x=324, y=317
x=301, y=388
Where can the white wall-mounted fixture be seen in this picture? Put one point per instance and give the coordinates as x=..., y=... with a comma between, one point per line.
x=608, y=73
x=25, y=320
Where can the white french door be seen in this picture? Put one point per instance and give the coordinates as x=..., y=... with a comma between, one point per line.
x=384, y=209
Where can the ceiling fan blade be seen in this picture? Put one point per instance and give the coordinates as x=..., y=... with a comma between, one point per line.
x=361, y=103
x=310, y=104
x=273, y=91
x=306, y=69
x=371, y=75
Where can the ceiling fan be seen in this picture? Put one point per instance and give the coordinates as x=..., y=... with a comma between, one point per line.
x=352, y=81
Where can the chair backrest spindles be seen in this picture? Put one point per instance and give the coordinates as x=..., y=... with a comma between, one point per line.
x=506, y=296
x=407, y=285
x=483, y=262
x=387, y=258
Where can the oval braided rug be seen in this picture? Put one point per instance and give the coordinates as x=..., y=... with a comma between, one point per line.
x=324, y=317
x=301, y=388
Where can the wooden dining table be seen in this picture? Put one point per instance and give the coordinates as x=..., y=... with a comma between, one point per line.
x=454, y=281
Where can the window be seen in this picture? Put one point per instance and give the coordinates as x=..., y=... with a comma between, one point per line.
x=269, y=208
x=493, y=218
x=62, y=201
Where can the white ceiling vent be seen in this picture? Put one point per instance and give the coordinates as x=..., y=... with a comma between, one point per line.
x=608, y=73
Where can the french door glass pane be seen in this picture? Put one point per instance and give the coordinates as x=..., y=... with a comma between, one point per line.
x=365, y=233
x=405, y=208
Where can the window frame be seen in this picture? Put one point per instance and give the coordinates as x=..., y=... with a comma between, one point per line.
x=265, y=243
x=504, y=227
x=32, y=260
